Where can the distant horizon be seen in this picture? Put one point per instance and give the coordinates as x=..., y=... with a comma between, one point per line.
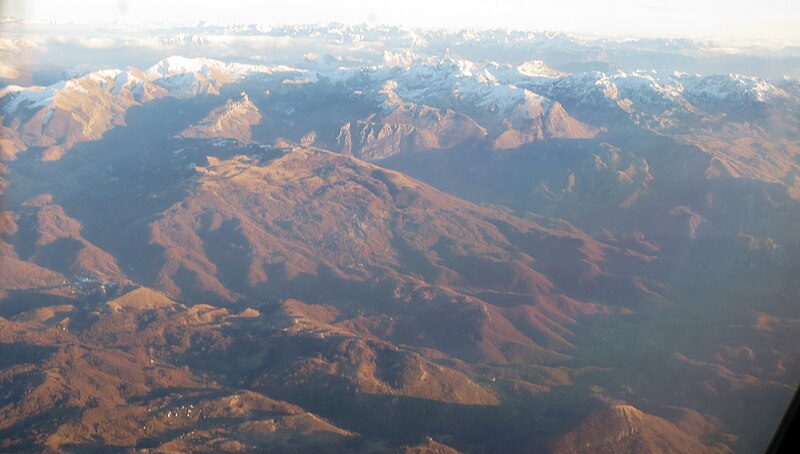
x=735, y=44
x=771, y=25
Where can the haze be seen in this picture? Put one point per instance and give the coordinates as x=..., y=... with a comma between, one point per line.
x=770, y=21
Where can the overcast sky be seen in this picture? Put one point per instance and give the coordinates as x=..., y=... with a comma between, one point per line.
x=772, y=20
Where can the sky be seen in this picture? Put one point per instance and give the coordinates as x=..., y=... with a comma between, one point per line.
x=768, y=20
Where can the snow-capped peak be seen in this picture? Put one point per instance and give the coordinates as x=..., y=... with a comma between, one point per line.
x=731, y=87
x=538, y=68
x=177, y=65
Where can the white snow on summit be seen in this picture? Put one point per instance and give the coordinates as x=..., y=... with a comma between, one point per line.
x=538, y=68
x=731, y=87
x=186, y=77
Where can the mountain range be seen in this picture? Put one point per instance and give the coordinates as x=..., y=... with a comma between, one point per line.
x=411, y=249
